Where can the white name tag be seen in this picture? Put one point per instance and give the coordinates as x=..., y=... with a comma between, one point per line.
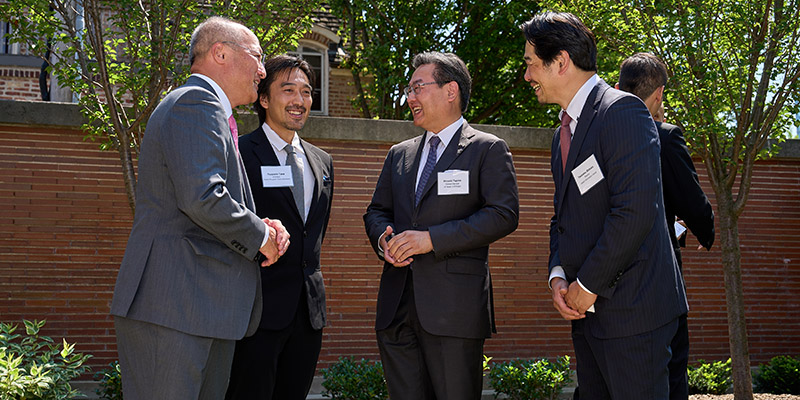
x=587, y=174
x=276, y=176
x=453, y=182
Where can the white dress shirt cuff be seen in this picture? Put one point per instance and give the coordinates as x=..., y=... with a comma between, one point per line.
x=556, y=272
x=591, y=307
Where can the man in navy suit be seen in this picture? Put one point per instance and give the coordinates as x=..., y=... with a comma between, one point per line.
x=441, y=199
x=292, y=180
x=612, y=269
x=644, y=75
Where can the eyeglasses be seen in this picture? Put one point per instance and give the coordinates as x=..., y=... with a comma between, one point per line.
x=416, y=88
x=258, y=55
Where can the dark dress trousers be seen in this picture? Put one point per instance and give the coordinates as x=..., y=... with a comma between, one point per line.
x=279, y=361
x=614, y=239
x=684, y=198
x=446, y=293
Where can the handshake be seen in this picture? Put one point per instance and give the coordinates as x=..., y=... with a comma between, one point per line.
x=277, y=242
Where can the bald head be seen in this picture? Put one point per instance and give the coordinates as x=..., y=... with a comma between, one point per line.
x=214, y=30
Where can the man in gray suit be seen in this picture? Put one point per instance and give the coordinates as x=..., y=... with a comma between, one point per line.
x=612, y=269
x=441, y=199
x=189, y=283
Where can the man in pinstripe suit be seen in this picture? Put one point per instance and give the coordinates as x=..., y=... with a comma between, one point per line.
x=612, y=269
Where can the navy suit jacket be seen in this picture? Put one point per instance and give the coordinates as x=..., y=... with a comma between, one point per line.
x=299, y=267
x=452, y=284
x=683, y=196
x=614, y=237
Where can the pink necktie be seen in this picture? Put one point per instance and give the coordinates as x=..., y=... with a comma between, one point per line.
x=566, y=138
x=234, y=132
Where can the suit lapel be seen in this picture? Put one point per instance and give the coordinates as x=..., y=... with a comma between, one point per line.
x=316, y=171
x=457, y=145
x=581, y=130
x=411, y=161
x=266, y=157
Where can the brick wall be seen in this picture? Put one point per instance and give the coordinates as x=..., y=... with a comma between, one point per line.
x=19, y=83
x=65, y=220
x=341, y=91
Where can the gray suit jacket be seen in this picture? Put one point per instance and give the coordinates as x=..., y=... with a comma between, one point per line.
x=189, y=263
x=452, y=285
x=614, y=237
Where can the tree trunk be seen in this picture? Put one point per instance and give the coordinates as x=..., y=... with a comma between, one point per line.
x=737, y=327
x=129, y=176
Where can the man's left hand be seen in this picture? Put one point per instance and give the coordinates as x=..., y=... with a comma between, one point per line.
x=409, y=243
x=579, y=299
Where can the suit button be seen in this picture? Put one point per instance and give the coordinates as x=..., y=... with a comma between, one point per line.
x=415, y=225
x=305, y=233
x=560, y=229
x=305, y=264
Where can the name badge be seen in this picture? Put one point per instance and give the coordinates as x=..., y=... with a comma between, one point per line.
x=453, y=182
x=276, y=176
x=587, y=174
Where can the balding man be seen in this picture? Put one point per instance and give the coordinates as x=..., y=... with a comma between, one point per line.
x=189, y=284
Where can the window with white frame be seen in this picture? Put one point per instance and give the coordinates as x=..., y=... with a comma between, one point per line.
x=318, y=60
x=6, y=47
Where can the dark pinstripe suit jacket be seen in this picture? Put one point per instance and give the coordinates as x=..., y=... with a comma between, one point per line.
x=614, y=237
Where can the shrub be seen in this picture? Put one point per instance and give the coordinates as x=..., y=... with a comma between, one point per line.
x=110, y=386
x=351, y=380
x=781, y=376
x=710, y=378
x=530, y=379
x=34, y=367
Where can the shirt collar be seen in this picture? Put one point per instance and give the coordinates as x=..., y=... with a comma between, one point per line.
x=446, y=134
x=579, y=100
x=226, y=104
x=277, y=143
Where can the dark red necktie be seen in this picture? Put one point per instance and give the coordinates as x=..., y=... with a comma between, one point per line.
x=566, y=138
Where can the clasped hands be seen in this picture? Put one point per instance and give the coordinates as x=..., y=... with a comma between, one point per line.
x=570, y=300
x=399, y=249
x=277, y=243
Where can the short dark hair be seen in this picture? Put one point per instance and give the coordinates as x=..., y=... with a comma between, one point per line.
x=551, y=32
x=448, y=68
x=641, y=74
x=273, y=67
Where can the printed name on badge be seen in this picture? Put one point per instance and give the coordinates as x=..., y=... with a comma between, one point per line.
x=276, y=176
x=587, y=174
x=453, y=182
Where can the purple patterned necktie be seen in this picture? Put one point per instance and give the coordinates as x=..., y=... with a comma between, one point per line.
x=429, y=164
x=566, y=138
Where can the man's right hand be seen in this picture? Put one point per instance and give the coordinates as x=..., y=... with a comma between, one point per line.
x=560, y=288
x=270, y=249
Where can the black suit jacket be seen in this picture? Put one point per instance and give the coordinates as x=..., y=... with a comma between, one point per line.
x=683, y=196
x=452, y=285
x=283, y=281
x=614, y=236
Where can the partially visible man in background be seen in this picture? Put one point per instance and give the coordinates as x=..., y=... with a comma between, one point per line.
x=644, y=75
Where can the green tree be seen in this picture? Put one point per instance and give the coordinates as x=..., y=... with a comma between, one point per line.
x=382, y=36
x=733, y=86
x=121, y=56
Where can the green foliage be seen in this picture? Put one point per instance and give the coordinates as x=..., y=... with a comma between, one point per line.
x=131, y=53
x=382, y=37
x=110, y=386
x=710, y=378
x=780, y=375
x=530, y=379
x=35, y=367
x=354, y=380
